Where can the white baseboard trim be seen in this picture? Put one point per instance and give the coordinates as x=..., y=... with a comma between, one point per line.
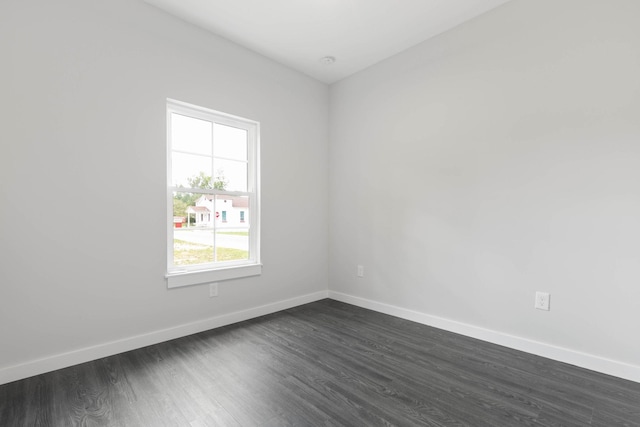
x=583, y=360
x=59, y=361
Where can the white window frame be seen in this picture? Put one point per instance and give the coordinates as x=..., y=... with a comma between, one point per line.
x=178, y=276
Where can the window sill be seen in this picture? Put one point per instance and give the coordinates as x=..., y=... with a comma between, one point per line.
x=188, y=278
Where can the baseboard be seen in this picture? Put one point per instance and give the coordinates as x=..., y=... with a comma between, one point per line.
x=59, y=361
x=583, y=360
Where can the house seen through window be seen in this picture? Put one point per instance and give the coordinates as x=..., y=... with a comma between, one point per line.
x=212, y=193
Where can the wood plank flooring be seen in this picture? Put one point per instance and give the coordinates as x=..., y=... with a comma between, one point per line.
x=322, y=364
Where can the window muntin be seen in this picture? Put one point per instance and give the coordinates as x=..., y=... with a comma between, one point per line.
x=212, y=170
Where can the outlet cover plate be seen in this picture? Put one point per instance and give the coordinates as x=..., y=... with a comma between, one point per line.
x=542, y=301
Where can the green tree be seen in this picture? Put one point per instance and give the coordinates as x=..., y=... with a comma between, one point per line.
x=202, y=180
x=181, y=201
x=220, y=182
x=179, y=207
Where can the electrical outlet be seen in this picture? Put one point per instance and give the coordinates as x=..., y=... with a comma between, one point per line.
x=542, y=300
x=360, y=271
x=213, y=290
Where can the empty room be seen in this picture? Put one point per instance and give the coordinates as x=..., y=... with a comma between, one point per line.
x=320, y=212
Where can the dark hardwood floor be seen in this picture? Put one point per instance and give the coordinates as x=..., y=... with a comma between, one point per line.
x=325, y=363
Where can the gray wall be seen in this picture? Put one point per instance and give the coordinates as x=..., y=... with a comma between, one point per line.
x=82, y=172
x=498, y=159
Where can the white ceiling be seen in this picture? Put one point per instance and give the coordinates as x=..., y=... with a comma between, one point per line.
x=298, y=33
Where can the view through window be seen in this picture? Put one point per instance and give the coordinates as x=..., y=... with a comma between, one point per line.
x=212, y=189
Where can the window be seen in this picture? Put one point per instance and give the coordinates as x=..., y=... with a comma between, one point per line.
x=212, y=168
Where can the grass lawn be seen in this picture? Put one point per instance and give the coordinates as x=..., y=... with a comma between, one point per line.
x=234, y=233
x=187, y=253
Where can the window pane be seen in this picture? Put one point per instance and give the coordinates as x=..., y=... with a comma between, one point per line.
x=189, y=166
x=192, y=229
x=232, y=244
x=230, y=142
x=189, y=134
x=232, y=228
x=198, y=217
x=231, y=174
